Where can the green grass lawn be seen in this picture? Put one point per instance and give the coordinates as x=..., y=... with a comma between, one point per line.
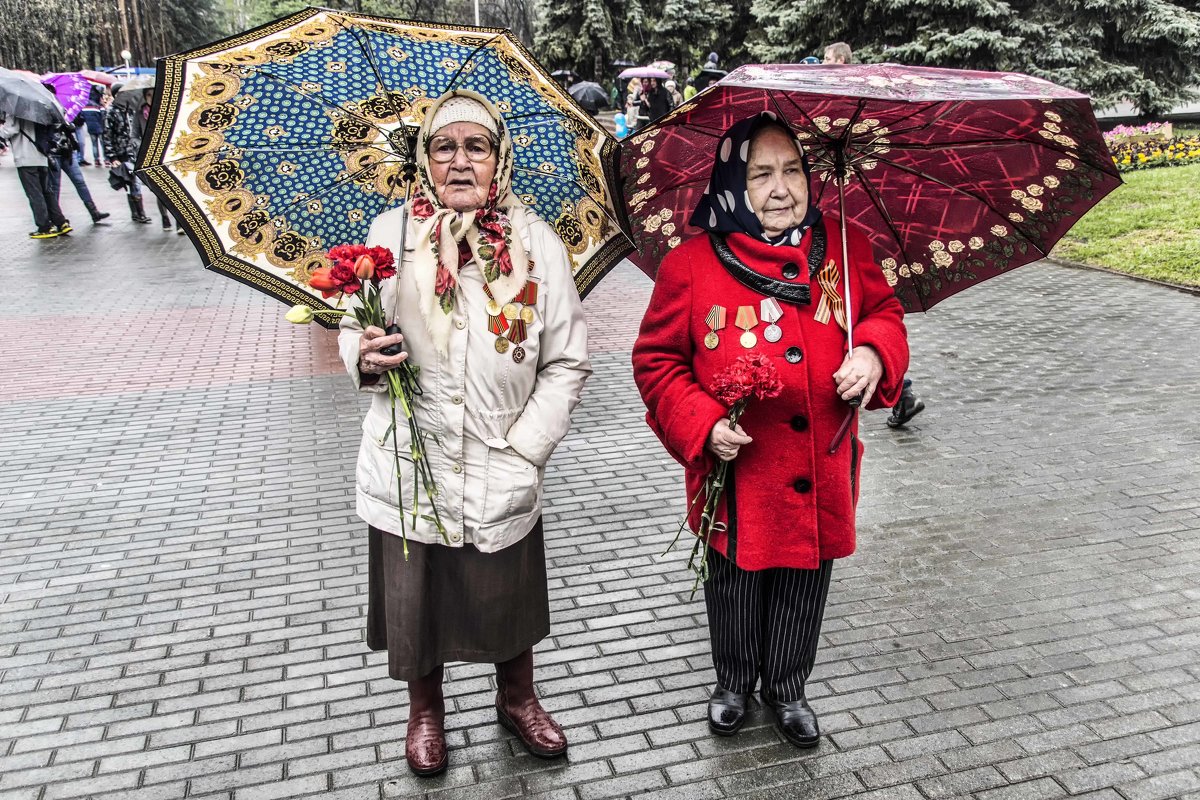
x=1148, y=227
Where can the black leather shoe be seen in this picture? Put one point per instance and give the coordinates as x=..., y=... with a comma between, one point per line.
x=726, y=712
x=797, y=721
x=909, y=406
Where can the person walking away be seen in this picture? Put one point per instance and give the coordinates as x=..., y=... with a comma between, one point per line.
x=142, y=124
x=93, y=121
x=689, y=89
x=121, y=146
x=81, y=142
x=64, y=148
x=33, y=169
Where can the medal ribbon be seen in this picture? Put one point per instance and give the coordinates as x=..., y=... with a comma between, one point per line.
x=716, y=318
x=831, y=301
x=770, y=311
x=746, y=318
x=517, y=331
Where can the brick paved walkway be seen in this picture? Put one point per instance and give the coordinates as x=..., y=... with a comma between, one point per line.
x=182, y=578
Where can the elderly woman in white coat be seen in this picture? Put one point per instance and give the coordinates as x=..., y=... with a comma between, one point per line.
x=488, y=310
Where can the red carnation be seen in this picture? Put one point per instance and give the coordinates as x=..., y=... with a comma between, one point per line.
x=752, y=374
x=385, y=265
x=343, y=275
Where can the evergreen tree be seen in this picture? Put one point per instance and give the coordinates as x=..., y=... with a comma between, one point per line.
x=587, y=36
x=1146, y=51
x=685, y=31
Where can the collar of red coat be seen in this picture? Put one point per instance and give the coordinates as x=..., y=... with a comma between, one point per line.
x=768, y=260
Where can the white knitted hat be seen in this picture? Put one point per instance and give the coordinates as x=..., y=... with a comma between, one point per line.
x=462, y=109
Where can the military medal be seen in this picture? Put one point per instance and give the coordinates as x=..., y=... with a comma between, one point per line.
x=509, y=323
x=516, y=334
x=771, y=313
x=746, y=320
x=715, y=322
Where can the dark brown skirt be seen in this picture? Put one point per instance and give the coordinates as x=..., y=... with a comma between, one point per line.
x=454, y=604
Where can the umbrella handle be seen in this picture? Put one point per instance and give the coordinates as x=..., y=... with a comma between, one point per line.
x=841, y=432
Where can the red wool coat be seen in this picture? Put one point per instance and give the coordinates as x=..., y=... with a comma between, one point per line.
x=794, y=502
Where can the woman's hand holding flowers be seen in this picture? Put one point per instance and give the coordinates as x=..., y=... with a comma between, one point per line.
x=370, y=360
x=725, y=439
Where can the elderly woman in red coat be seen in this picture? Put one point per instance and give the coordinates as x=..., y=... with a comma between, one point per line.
x=766, y=278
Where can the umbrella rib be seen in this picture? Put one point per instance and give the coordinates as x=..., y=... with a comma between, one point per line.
x=308, y=147
x=454, y=79
x=877, y=201
x=370, y=54
x=962, y=191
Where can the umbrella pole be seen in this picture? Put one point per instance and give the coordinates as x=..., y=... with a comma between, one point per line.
x=843, y=176
x=854, y=402
x=392, y=326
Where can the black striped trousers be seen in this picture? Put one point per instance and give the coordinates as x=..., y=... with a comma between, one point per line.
x=765, y=624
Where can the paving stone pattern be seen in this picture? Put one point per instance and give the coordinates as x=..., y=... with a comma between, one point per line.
x=182, y=580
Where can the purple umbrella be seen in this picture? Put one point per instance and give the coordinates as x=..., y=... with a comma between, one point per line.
x=644, y=72
x=73, y=91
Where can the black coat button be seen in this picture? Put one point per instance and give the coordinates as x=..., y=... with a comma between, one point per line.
x=793, y=355
x=802, y=485
x=799, y=423
x=791, y=270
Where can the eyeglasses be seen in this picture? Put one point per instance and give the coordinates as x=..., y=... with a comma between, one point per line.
x=443, y=149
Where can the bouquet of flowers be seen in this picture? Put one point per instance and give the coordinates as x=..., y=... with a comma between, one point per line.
x=752, y=375
x=357, y=272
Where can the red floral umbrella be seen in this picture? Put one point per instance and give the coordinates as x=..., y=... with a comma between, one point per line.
x=955, y=176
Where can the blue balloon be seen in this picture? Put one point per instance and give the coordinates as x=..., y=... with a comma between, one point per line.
x=622, y=128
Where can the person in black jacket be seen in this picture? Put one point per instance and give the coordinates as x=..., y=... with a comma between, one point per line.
x=122, y=124
x=656, y=101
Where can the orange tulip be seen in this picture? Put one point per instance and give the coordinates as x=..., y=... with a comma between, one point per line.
x=322, y=280
x=364, y=267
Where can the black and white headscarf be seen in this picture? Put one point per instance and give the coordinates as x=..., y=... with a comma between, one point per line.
x=725, y=205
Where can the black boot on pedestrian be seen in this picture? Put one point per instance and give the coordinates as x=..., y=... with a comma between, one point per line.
x=136, y=211
x=796, y=720
x=167, y=223
x=726, y=711
x=97, y=214
x=909, y=406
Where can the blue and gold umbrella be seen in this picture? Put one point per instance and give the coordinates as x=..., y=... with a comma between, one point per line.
x=276, y=144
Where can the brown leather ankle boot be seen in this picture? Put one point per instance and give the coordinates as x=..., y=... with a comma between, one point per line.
x=518, y=709
x=425, y=744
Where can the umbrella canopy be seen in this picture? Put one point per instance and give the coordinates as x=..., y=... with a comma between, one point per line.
x=279, y=143
x=24, y=97
x=100, y=78
x=72, y=90
x=589, y=95
x=955, y=176
x=644, y=72
x=138, y=83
